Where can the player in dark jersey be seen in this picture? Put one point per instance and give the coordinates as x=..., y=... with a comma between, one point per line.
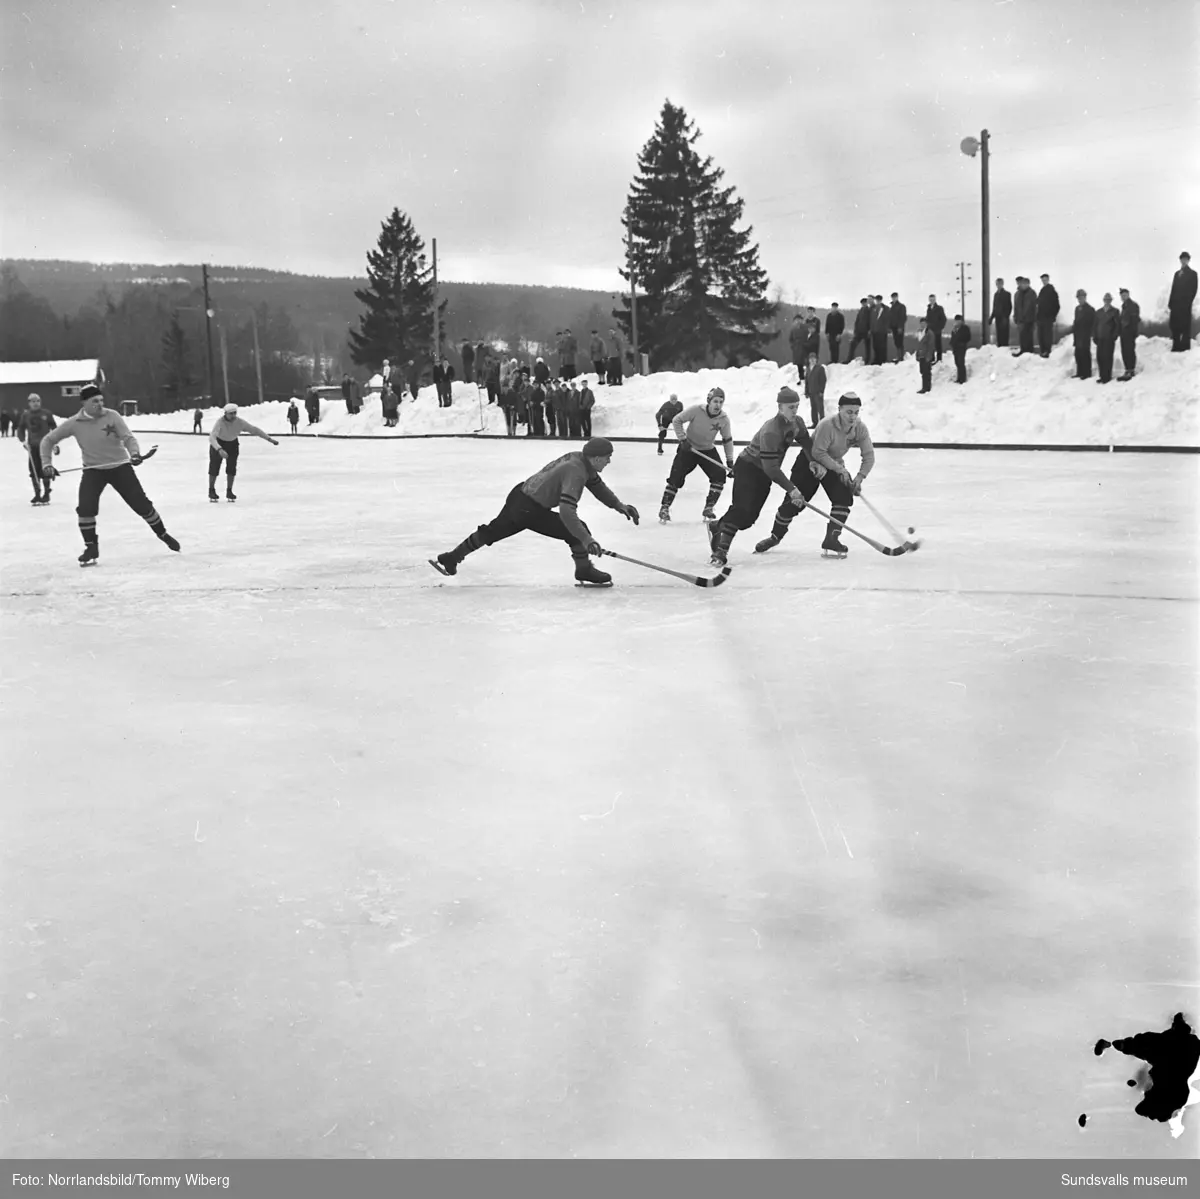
x=664, y=416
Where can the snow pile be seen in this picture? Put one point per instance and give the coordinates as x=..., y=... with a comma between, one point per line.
x=1006, y=400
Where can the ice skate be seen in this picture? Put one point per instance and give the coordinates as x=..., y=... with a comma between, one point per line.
x=445, y=564
x=831, y=547
x=230, y=496
x=168, y=541
x=664, y=514
x=37, y=499
x=767, y=543
x=90, y=556
x=213, y=498
x=586, y=575
x=708, y=515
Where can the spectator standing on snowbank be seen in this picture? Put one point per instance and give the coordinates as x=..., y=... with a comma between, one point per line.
x=1105, y=330
x=598, y=355
x=587, y=401
x=880, y=323
x=1025, y=314
x=1002, y=305
x=960, y=341
x=1131, y=322
x=813, y=344
x=814, y=388
x=312, y=405
x=835, y=326
x=467, y=353
x=1179, y=305
x=935, y=318
x=443, y=376
x=492, y=379
x=1082, y=330
x=797, y=340
x=898, y=322
x=861, y=331
x=570, y=350
x=616, y=360
x=1048, y=307
x=926, y=349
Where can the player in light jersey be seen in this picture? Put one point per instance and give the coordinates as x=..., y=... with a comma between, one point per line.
x=223, y=447
x=697, y=448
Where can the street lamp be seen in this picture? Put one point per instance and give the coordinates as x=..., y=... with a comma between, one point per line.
x=970, y=147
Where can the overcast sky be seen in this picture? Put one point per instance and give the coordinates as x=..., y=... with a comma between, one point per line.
x=282, y=134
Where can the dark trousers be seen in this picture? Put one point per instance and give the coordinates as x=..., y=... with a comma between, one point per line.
x=937, y=345
x=585, y=423
x=561, y=421
x=1129, y=351
x=879, y=350
x=1083, y=359
x=567, y=370
x=1045, y=332
x=816, y=407
x=196, y=424
x=841, y=498
x=960, y=364
x=1180, y=325
x=799, y=362
x=898, y=342
x=1104, y=358
x=493, y=390
x=574, y=425
x=537, y=422
x=866, y=344
x=926, y=373
x=33, y=455
x=1025, y=337
x=835, y=347
x=518, y=514
x=598, y=366
x=614, y=370
x=510, y=420
x=1002, y=330
x=468, y=370
x=750, y=490
x=214, y=462
x=294, y=422
x=682, y=465
x=124, y=481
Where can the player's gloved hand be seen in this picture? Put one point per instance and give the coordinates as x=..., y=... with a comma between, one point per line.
x=223, y=453
x=593, y=547
x=817, y=470
x=856, y=485
x=49, y=472
x=135, y=460
x=797, y=497
x=631, y=513
x=272, y=441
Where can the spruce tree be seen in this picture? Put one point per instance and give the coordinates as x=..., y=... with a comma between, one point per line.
x=176, y=354
x=399, y=298
x=701, y=292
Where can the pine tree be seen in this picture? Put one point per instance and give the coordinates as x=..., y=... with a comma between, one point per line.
x=399, y=298
x=176, y=356
x=701, y=291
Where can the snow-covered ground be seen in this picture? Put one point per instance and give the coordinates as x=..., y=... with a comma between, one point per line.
x=308, y=851
x=1006, y=401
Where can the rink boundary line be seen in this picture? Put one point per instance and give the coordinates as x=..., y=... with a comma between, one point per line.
x=462, y=586
x=883, y=445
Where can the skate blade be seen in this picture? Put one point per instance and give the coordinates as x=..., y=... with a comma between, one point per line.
x=439, y=568
x=581, y=583
x=833, y=554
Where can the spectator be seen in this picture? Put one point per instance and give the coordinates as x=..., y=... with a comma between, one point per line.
x=798, y=339
x=481, y=358
x=1131, y=323
x=541, y=372
x=293, y=414
x=616, y=360
x=493, y=380
x=926, y=349
x=835, y=326
x=960, y=339
x=443, y=376
x=879, y=332
x=935, y=317
x=312, y=405
x=347, y=393
x=1107, y=326
x=1025, y=314
x=898, y=322
x=814, y=388
x=572, y=409
x=390, y=403
x=1001, y=311
x=862, y=331
x=1179, y=305
x=570, y=352
x=537, y=411
x=597, y=353
x=508, y=372
x=413, y=377
x=587, y=401
x=467, y=353
x=552, y=405
x=1047, y=313
x=197, y=422
x=813, y=345
x=522, y=394
x=1082, y=329
x=508, y=404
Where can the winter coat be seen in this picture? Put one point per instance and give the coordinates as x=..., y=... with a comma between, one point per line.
x=1047, y=303
x=1131, y=317
x=897, y=316
x=1183, y=291
x=813, y=344
x=1085, y=322
x=960, y=337
x=468, y=355
x=1107, y=323
x=935, y=317
x=862, y=322
x=570, y=347
x=835, y=324
x=586, y=400
x=493, y=375
x=541, y=373
x=571, y=403
x=879, y=320
x=798, y=339
x=1001, y=305
x=1024, y=306
x=926, y=347
x=814, y=383
x=596, y=348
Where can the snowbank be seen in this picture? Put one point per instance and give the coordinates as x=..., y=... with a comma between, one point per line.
x=1006, y=400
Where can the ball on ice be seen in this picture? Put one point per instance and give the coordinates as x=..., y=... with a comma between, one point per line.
x=911, y=529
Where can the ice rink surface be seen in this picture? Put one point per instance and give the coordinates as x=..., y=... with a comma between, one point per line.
x=308, y=851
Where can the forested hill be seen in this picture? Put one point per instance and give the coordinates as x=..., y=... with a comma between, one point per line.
x=322, y=309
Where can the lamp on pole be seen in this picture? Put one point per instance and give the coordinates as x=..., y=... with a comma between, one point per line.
x=970, y=147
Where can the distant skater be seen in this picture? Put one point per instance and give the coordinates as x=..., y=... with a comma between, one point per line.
x=223, y=447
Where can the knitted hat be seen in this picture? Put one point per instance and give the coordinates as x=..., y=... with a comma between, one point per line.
x=849, y=400
x=787, y=396
x=231, y=410
x=598, y=447
x=86, y=393
x=717, y=393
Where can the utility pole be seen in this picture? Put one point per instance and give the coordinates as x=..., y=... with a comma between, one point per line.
x=208, y=314
x=225, y=363
x=257, y=354
x=963, y=289
x=970, y=147
x=437, y=333
x=637, y=358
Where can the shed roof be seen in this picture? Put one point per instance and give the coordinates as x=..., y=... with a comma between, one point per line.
x=71, y=370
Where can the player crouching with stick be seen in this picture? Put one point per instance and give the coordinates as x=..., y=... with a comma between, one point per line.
x=758, y=466
x=830, y=441
x=530, y=505
x=110, y=452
